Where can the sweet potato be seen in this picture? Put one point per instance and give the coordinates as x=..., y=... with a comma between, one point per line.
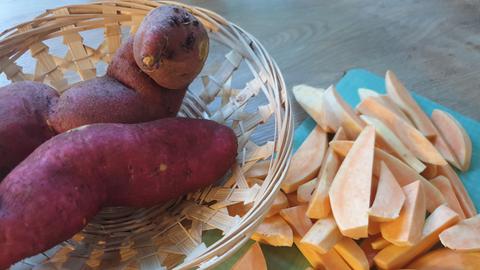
x=455, y=136
x=465, y=236
x=71, y=176
x=443, y=259
x=99, y=100
x=171, y=46
x=125, y=95
x=351, y=252
x=23, y=127
x=351, y=187
x=274, y=231
x=252, y=260
x=389, y=198
x=395, y=257
x=406, y=230
x=161, y=102
x=312, y=149
x=322, y=236
x=402, y=172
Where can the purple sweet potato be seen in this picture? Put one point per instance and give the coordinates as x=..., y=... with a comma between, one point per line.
x=171, y=46
x=23, y=127
x=70, y=177
x=99, y=100
x=161, y=102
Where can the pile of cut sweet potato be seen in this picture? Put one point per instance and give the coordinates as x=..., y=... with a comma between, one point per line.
x=381, y=193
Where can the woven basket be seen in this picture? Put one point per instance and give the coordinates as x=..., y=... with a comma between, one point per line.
x=240, y=86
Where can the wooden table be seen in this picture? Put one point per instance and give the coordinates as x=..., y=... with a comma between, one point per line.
x=432, y=45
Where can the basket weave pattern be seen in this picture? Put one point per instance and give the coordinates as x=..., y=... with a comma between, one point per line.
x=167, y=235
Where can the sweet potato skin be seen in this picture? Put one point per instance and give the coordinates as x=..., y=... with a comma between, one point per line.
x=99, y=100
x=159, y=101
x=24, y=109
x=141, y=164
x=171, y=46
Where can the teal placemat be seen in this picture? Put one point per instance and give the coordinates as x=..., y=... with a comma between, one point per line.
x=291, y=258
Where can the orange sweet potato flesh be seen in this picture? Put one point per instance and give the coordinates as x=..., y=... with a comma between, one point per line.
x=415, y=141
x=402, y=172
x=345, y=115
x=395, y=257
x=136, y=165
x=398, y=93
x=24, y=108
x=171, y=46
x=443, y=184
x=319, y=204
x=389, y=198
x=351, y=187
x=352, y=254
x=465, y=236
x=295, y=216
x=460, y=191
x=455, y=136
x=280, y=202
x=306, y=161
x=328, y=261
x=274, y=231
x=402, y=97
x=446, y=259
x=252, y=260
x=406, y=230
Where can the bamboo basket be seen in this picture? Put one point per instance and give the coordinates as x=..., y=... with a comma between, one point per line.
x=240, y=86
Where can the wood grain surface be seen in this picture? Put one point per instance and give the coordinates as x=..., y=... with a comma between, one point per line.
x=432, y=45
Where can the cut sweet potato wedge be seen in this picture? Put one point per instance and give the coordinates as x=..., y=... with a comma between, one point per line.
x=312, y=101
x=460, y=191
x=402, y=172
x=465, y=236
x=252, y=260
x=328, y=261
x=406, y=230
x=444, y=258
x=455, y=136
x=443, y=184
x=413, y=139
x=258, y=170
x=306, y=161
x=351, y=187
x=352, y=254
x=380, y=243
x=347, y=117
x=274, y=231
x=389, y=198
x=394, y=143
x=405, y=101
x=280, y=202
x=400, y=95
x=395, y=257
x=305, y=191
x=385, y=100
x=295, y=216
x=370, y=253
x=322, y=236
x=319, y=205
